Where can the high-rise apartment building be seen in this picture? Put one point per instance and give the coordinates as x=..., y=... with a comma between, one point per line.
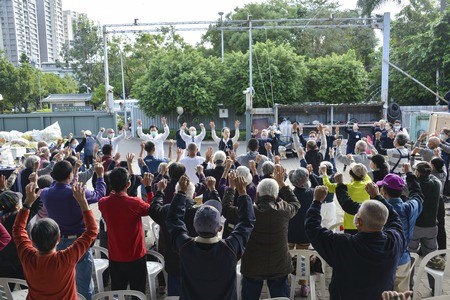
x=70, y=20
x=19, y=30
x=51, y=31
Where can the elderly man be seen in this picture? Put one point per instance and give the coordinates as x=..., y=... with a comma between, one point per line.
x=193, y=137
x=396, y=156
x=360, y=155
x=111, y=138
x=363, y=264
x=391, y=188
x=155, y=137
x=191, y=161
x=266, y=256
x=426, y=152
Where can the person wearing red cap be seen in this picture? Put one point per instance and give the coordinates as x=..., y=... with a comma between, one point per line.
x=391, y=188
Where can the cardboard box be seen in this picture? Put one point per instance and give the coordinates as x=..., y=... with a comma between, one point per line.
x=438, y=120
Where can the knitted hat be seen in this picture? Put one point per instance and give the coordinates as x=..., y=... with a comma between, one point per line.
x=9, y=200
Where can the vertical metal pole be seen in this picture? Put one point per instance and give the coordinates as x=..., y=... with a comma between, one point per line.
x=109, y=106
x=332, y=117
x=248, y=111
x=221, y=34
x=123, y=90
x=385, y=62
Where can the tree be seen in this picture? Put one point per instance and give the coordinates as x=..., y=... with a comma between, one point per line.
x=368, y=6
x=337, y=79
x=179, y=77
x=416, y=48
x=278, y=76
x=85, y=54
x=310, y=42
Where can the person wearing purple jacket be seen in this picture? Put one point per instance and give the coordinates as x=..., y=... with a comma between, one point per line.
x=64, y=209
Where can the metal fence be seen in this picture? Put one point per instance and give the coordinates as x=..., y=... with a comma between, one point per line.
x=68, y=122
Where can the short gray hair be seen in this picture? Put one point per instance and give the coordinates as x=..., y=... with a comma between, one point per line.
x=361, y=146
x=268, y=167
x=30, y=161
x=219, y=156
x=189, y=192
x=299, y=177
x=374, y=214
x=244, y=172
x=268, y=187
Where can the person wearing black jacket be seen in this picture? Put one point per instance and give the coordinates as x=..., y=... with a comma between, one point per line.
x=207, y=263
x=363, y=264
x=158, y=212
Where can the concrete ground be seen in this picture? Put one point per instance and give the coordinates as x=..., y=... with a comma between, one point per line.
x=133, y=145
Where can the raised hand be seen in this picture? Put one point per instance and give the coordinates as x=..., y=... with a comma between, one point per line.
x=320, y=193
x=241, y=185
x=212, y=125
x=139, y=123
x=162, y=184
x=183, y=183
x=79, y=193
x=339, y=178
x=279, y=174
x=372, y=189
x=163, y=121
x=237, y=123
x=147, y=179
x=211, y=183
x=130, y=157
x=31, y=193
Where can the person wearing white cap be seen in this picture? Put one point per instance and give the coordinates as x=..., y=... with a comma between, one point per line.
x=155, y=137
x=207, y=263
x=356, y=190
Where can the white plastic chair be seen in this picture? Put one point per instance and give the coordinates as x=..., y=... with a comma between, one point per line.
x=153, y=269
x=119, y=295
x=100, y=265
x=303, y=272
x=437, y=274
x=13, y=294
x=80, y=297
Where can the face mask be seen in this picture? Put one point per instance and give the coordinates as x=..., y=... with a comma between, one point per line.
x=153, y=133
x=264, y=137
x=193, y=133
x=397, y=127
x=443, y=136
x=111, y=135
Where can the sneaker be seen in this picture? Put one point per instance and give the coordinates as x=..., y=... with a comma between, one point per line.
x=304, y=291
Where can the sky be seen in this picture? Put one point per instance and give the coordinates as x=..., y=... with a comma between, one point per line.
x=125, y=11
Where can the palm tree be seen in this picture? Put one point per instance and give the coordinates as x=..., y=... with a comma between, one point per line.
x=368, y=6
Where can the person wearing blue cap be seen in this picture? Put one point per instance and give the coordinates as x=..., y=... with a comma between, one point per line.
x=208, y=264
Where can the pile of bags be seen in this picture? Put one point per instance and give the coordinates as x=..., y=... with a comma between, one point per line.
x=16, y=138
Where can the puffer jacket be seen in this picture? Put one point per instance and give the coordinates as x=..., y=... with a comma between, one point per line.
x=267, y=254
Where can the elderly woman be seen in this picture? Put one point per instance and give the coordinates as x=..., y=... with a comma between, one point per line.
x=297, y=237
x=31, y=165
x=266, y=256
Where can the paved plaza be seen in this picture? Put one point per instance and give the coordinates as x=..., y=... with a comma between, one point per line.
x=133, y=145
